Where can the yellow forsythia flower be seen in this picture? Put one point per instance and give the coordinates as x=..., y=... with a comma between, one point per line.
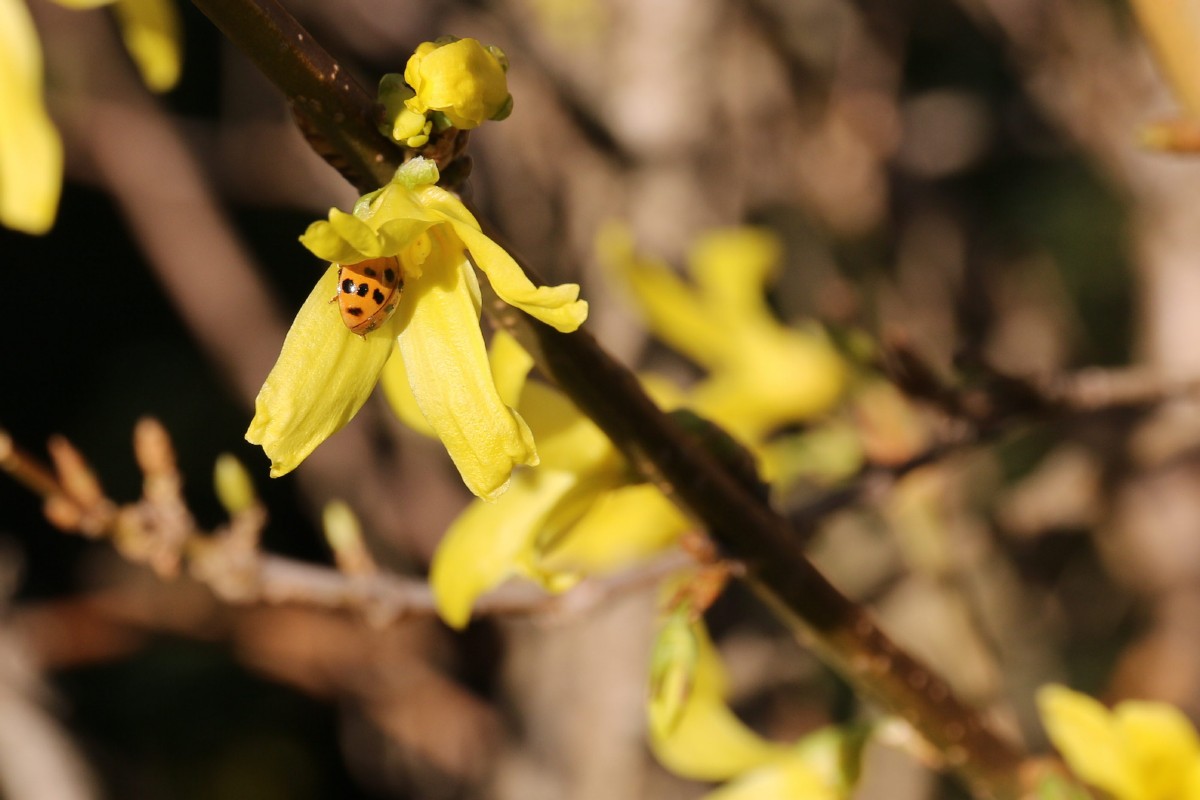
x=462, y=79
x=761, y=374
x=1138, y=751
x=325, y=372
x=573, y=515
x=695, y=734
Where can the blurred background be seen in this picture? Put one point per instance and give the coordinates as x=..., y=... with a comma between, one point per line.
x=962, y=177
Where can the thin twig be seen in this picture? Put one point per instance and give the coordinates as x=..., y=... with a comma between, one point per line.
x=158, y=531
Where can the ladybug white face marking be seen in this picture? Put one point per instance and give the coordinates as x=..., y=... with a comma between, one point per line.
x=368, y=293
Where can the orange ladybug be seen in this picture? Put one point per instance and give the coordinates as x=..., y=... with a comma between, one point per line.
x=368, y=292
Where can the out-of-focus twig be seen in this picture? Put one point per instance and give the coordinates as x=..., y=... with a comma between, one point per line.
x=988, y=409
x=159, y=531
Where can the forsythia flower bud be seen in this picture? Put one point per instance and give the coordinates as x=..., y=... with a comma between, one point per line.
x=461, y=79
x=235, y=490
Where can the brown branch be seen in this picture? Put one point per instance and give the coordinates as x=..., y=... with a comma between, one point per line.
x=335, y=112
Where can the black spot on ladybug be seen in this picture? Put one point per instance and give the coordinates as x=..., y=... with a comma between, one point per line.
x=347, y=286
x=354, y=311
x=363, y=289
x=389, y=276
x=370, y=272
x=378, y=297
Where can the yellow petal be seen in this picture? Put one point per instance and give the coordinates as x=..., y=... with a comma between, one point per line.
x=394, y=380
x=789, y=778
x=323, y=376
x=451, y=379
x=358, y=234
x=510, y=366
x=347, y=239
x=31, y=160
x=589, y=490
x=151, y=31
x=557, y=306
x=567, y=440
x=708, y=742
x=343, y=239
x=1191, y=783
x=731, y=267
x=1162, y=746
x=412, y=70
x=624, y=526
x=672, y=308
x=1087, y=736
x=782, y=376
x=482, y=547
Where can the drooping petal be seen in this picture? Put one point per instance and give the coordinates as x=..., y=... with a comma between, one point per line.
x=1086, y=735
x=451, y=379
x=510, y=366
x=323, y=376
x=398, y=393
x=483, y=546
x=151, y=32
x=557, y=306
x=706, y=740
x=567, y=440
x=624, y=526
x=589, y=489
x=31, y=160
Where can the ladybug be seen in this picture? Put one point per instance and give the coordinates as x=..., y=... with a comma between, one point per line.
x=368, y=292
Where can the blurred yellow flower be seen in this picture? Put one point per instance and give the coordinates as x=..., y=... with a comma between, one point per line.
x=695, y=734
x=325, y=372
x=462, y=79
x=761, y=374
x=572, y=23
x=576, y=514
x=1138, y=751
x=692, y=731
x=31, y=159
